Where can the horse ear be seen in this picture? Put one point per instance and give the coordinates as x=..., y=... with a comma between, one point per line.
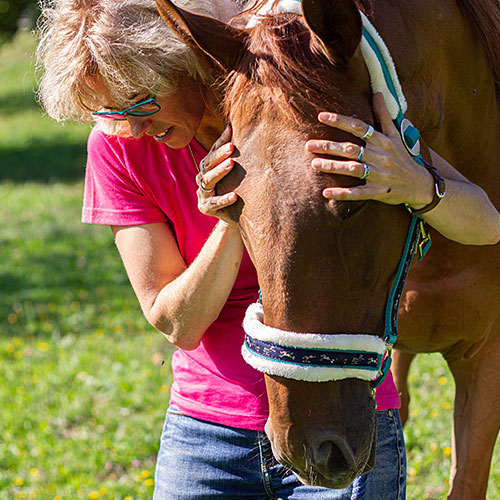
x=206, y=36
x=337, y=24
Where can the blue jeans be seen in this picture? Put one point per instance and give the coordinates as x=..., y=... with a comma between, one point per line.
x=200, y=460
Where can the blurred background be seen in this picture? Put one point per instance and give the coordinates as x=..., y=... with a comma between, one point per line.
x=83, y=386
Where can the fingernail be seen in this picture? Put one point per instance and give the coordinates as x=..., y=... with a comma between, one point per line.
x=229, y=164
x=327, y=193
x=231, y=197
x=324, y=117
x=311, y=145
x=316, y=163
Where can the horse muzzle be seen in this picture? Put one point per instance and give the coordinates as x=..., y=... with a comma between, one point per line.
x=326, y=461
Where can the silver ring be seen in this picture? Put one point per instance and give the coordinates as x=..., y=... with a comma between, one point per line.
x=366, y=171
x=368, y=134
x=361, y=153
x=203, y=188
x=203, y=170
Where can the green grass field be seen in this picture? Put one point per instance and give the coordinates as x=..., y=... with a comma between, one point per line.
x=82, y=388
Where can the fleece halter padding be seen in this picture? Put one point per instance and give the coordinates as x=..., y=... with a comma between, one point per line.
x=309, y=356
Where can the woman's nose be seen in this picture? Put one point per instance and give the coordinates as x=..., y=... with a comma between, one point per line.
x=138, y=125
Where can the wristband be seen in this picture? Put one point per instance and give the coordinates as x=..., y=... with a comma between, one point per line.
x=439, y=191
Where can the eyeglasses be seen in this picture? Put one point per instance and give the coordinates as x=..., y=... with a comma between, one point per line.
x=143, y=108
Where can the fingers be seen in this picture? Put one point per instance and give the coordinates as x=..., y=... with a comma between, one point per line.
x=382, y=162
x=216, y=165
x=383, y=116
x=216, y=157
x=346, y=150
x=348, y=124
x=358, y=127
x=214, y=205
x=355, y=193
x=210, y=178
x=350, y=168
x=220, y=150
x=210, y=204
x=223, y=139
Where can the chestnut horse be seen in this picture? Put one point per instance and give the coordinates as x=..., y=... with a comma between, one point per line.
x=326, y=266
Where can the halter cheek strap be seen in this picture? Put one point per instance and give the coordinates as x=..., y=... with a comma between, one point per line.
x=316, y=357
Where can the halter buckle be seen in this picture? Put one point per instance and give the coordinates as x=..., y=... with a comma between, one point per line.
x=424, y=240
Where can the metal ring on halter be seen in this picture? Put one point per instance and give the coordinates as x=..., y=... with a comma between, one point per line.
x=361, y=153
x=368, y=134
x=203, y=188
x=366, y=171
x=203, y=170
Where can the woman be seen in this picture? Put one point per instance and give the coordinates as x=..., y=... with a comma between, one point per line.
x=115, y=61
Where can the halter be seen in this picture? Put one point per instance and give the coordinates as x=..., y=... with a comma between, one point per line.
x=316, y=357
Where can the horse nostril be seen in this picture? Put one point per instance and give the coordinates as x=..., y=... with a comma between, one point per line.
x=333, y=458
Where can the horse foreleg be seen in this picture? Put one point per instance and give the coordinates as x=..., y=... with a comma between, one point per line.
x=401, y=362
x=476, y=420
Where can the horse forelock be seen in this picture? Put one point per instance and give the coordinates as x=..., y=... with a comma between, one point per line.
x=286, y=74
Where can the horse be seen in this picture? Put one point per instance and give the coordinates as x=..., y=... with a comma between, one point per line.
x=326, y=267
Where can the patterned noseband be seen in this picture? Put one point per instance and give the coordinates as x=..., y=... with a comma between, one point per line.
x=309, y=356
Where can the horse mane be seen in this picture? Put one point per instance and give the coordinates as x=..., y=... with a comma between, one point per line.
x=485, y=16
x=286, y=73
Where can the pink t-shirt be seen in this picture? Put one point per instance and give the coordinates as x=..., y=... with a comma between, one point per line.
x=140, y=181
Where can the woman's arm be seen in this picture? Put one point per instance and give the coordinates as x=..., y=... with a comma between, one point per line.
x=465, y=214
x=180, y=301
x=183, y=301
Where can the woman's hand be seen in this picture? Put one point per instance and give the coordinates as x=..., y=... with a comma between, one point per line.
x=391, y=174
x=465, y=215
x=213, y=168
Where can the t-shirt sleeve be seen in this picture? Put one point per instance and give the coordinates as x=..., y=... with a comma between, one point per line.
x=110, y=195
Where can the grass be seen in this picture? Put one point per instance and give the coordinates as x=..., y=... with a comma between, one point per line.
x=82, y=386
x=428, y=432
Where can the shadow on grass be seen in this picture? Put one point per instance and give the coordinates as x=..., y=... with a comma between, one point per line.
x=15, y=101
x=43, y=161
x=67, y=292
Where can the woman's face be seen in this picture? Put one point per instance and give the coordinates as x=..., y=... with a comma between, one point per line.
x=176, y=123
x=178, y=120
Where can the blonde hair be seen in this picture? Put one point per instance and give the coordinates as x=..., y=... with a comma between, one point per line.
x=125, y=43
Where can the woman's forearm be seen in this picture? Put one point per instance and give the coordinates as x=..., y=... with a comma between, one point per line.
x=465, y=215
x=189, y=304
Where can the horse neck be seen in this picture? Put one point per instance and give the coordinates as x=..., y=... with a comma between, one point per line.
x=446, y=79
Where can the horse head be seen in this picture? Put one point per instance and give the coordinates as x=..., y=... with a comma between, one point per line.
x=324, y=266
